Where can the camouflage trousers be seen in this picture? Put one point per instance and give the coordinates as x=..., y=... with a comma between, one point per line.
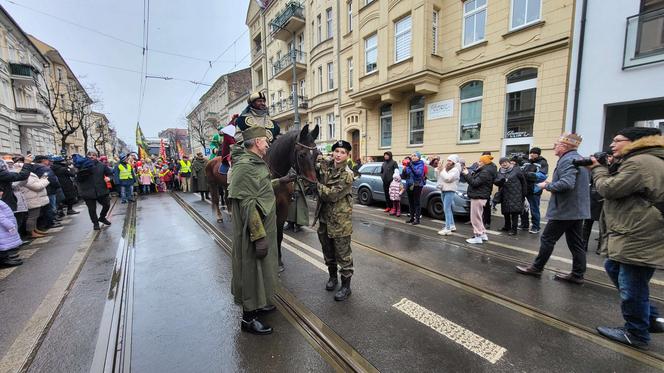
x=336, y=251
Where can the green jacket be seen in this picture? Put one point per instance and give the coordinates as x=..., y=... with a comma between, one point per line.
x=631, y=226
x=335, y=199
x=198, y=173
x=254, y=216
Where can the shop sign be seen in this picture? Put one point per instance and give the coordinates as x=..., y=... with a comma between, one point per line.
x=441, y=109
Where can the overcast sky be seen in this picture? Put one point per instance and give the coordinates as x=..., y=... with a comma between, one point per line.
x=202, y=29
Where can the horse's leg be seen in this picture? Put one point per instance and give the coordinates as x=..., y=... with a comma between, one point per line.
x=215, y=203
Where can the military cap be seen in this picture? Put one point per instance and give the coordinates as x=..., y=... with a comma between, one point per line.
x=255, y=96
x=253, y=133
x=342, y=144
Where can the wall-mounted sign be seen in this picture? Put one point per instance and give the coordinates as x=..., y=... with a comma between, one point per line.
x=441, y=109
x=512, y=134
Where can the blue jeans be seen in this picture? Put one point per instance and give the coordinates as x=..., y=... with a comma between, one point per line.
x=534, y=202
x=126, y=192
x=146, y=188
x=53, y=201
x=448, y=200
x=632, y=283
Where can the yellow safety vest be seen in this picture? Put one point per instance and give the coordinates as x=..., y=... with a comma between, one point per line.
x=125, y=172
x=185, y=167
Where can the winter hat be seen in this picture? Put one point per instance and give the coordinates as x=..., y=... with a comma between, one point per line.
x=571, y=139
x=418, y=154
x=535, y=150
x=396, y=176
x=486, y=159
x=503, y=160
x=635, y=133
x=454, y=158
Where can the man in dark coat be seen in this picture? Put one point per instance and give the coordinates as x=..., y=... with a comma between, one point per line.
x=7, y=178
x=65, y=177
x=386, y=173
x=512, y=191
x=93, y=188
x=568, y=207
x=48, y=219
x=535, y=164
x=199, y=183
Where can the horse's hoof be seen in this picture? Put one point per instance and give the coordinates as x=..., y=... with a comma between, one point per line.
x=220, y=220
x=281, y=268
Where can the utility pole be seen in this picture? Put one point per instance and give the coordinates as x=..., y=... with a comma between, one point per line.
x=296, y=109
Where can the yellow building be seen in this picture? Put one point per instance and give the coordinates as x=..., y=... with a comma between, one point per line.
x=435, y=76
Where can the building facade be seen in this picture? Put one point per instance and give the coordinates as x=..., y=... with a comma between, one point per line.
x=173, y=136
x=435, y=76
x=25, y=125
x=101, y=137
x=226, y=97
x=620, y=52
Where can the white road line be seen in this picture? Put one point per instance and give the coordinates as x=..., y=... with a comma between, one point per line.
x=41, y=240
x=58, y=229
x=456, y=333
x=316, y=263
x=66, y=221
x=304, y=246
x=23, y=254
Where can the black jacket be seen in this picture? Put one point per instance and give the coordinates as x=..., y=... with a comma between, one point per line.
x=480, y=182
x=66, y=182
x=512, y=190
x=529, y=169
x=387, y=170
x=91, y=181
x=7, y=178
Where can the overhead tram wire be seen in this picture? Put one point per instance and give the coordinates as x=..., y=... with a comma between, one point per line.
x=142, y=78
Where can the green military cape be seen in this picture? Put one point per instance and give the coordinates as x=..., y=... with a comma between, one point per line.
x=298, y=211
x=198, y=173
x=254, y=280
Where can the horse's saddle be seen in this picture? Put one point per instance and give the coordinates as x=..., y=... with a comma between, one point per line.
x=223, y=168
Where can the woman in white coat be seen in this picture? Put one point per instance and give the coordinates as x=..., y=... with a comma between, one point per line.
x=34, y=192
x=448, y=174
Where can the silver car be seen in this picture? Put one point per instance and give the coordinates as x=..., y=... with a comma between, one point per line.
x=368, y=187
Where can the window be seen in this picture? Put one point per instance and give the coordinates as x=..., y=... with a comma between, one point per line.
x=320, y=79
x=386, y=126
x=313, y=37
x=525, y=12
x=402, y=39
x=471, y=111
x=330, y=76
x=367, y=2
x=350, y=73
x=416, y=121
x=330, y=126
x=434, y=30
x=319, y=29
x=371, y=53
x=474, y=21
x=330, y=31
x=520, y=102
x=259, y=77
x=317, y=122
x=349, y=7
x=303, y=91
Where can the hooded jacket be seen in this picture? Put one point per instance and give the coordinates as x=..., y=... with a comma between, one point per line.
x=448, y=181
x=34, y=191
x=480, y=182
x=387, y=169
x=7, y=178
x=631, y=224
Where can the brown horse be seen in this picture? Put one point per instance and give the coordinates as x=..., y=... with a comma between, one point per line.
x=217, y=181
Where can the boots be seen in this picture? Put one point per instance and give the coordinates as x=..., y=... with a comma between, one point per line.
x=333, y=281
x=251, y=324
x=393, y=210
x=398, y=210
x=71, y=211
x=344, y=292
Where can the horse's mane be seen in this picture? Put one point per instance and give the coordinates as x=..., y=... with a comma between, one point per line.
x=279, y=155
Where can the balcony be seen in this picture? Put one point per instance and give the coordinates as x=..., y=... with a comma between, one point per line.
x=22, y=73
x=30, y=117
x=282, y=69
x=284, y=107
x=286, y=23
x=644, y=39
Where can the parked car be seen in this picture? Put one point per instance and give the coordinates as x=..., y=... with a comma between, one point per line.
x=368, y=187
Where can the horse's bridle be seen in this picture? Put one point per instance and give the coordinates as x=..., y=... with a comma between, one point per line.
x=296, y=166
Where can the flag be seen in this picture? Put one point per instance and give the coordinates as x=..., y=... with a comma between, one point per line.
x=141, y=144
x=180, y=150
x=162, y=149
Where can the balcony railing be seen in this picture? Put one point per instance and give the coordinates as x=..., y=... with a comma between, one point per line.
x=22, y=72
x=287, y=61
x=293, y=9
x=644, y=39
x=286, y=104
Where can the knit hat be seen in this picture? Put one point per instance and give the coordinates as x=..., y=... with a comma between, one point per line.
x=635, y=133
x=418, y=154
x=486, y=159
x=454, y=158
x=503, y=160
x=571, y=139
x=535, y=150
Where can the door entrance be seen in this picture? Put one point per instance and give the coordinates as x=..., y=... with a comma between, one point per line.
x=355, y=143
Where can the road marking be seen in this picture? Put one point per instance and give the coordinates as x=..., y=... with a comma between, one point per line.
x=26, y=343
x=41, y=240
x=58, y=229
x=66, y=221
x=454, y=332
x=304, y=246
x=23, y=254
x=313, y=261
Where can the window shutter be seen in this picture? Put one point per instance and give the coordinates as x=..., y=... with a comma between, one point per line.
x=402, y=35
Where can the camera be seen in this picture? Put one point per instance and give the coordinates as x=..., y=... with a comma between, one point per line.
x=602, y=158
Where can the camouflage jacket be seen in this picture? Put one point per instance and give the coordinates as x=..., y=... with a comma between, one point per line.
x=335, y=199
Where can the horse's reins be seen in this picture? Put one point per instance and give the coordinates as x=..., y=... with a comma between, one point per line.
x=296, y=164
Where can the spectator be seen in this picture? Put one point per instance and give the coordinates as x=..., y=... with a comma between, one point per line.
x=146, y=180
x=185, y=174
x=21, y=212
x=632, y=235
x=480, y=185
x=512, y=191
x=415, y=179
x=93, y=188
x=568, y=207
x=7, y=178
x=536, y=168
x=166, y=176
x=9, y=237
x=33, y=191
x=65, y=178
x=199, y=178
x=124, y=176
x=448, y=175
x=386, y=173
x=395, y=192
x=596, y=202
x=47, y=218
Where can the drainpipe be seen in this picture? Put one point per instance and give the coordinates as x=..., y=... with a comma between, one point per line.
x=579, y=64
x=341, y=136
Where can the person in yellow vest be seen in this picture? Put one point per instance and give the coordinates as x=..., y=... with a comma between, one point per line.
x=125, y=177
x=185, y=174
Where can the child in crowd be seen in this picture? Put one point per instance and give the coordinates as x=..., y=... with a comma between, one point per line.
x=145, y=180
x=396, y=191
x=166, y=177
x=9, y=237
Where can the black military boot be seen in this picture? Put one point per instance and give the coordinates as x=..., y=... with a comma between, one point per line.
x=252, y=325
x=333, y=281
x=344, y=292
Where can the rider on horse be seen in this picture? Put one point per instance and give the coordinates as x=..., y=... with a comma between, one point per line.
x=256, y=114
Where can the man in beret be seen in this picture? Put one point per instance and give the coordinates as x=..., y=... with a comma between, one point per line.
x=255, y=251
x=568, y=207
x=256, y=114
x=631, y=225
x=334, y=210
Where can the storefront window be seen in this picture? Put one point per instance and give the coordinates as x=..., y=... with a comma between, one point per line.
x=471, y=111
x=520, y=101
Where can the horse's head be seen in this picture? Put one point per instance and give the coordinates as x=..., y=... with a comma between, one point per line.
x=306, y=153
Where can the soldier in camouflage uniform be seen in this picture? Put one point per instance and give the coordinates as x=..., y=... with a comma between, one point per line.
x=335, y=206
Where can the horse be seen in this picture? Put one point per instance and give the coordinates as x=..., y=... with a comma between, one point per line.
x=217, y=181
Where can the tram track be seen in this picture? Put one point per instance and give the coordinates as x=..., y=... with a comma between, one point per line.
x=334, y=349
x=495, y=254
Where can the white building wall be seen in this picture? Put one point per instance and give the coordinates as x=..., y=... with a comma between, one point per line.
x=603, y=81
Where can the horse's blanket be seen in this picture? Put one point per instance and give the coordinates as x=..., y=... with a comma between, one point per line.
x=223, y=168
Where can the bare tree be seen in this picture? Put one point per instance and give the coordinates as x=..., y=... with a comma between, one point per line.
x=101, y=135
x=199, y=130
